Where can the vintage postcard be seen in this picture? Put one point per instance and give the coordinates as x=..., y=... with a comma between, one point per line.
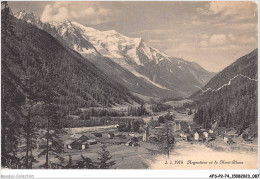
x=129, y=85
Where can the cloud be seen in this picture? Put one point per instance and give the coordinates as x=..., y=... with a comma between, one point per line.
x=196, y=22
x=218, y=39
x=91, y=12
x=237, y=10
x=203, y=43
x=204, y=36
x=154, y=31
x=231, y=37
x=242, y=39
x=169, y=40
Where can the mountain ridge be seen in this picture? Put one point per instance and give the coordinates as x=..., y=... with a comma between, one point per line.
x=229, y=99
x=131, y=54
x=79, y=82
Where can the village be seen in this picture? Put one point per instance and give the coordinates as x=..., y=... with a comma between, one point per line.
x=133, y=146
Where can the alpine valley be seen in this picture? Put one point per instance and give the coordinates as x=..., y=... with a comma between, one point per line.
x=130, y=61
x=78, y=97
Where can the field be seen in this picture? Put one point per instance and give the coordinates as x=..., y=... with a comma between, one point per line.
x=126, y=157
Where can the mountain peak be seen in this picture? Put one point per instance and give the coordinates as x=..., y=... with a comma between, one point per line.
x=23, y=14
x=134, y=55
x=28, y=17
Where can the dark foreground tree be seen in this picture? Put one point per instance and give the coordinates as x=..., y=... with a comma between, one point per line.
x=54, y=145
x=8, y=95
x=104, y=159
x=166, y=140
x=85, y=163
x=29, y=134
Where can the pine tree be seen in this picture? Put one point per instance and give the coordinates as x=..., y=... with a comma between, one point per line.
x=104, y=159
x=166, y=141
x=30, y=134
x=70, y=164
x=86, y=163
x=31, y=112
x=54, y=145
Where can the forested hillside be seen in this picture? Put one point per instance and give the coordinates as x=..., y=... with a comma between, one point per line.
x=34, y=55
x=43, y=83
x=230, y=98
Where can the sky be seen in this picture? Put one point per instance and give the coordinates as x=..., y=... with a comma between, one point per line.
x=213, y=34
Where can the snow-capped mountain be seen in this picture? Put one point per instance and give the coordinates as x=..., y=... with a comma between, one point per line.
x=130, y=61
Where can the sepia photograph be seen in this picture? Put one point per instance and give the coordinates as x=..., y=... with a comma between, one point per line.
x=129, y=85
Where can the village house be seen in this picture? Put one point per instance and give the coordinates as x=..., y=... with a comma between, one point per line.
x=199, y=136
x=211, y=136
x=225, y=137
x=128, y=143
x=177, y=126
x=68, y=142
x=182, y=135
x=97, y=134
x=205, y=133
x=118, y=134
x=78, y=144
x=228, y=139
x=92, y=142
x=110, y=135
x=196, y=136
x=135, y=144
x=211, y=131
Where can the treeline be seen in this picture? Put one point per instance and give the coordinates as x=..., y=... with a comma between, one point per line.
x=71, y=123
x=172, y=99
x=158, y=107
x=131, y=126
x=86, y=114
x=137, y=111
x=131, y=111
x=167, y=117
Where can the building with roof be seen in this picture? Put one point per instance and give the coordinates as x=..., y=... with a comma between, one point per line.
x=92, y=142
x=110, y=135
x=96, y=134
